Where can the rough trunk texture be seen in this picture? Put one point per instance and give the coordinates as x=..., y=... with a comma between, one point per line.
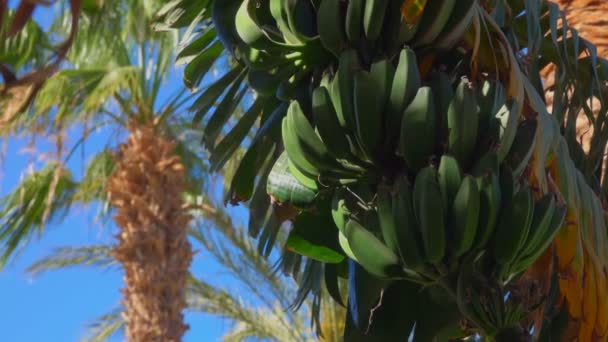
x=152, y=245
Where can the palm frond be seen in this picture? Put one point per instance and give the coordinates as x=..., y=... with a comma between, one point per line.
x=64, y=257
x=39, y=198
x=265, y=323
x=233, y=249
x=106, y=326
x=91, y=186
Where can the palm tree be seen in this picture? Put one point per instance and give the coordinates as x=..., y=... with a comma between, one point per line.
x=113, y=80
x=259, y=315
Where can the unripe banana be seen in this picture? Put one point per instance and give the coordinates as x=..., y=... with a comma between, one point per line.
x=248, y=30
x=263, y=82
x=450, y=177
x=370, y=96
x=341, y=91
x=354, y=20
x=370, y=252
x=403, y=90
x=430, y=212
x=294, y=150
x=328, y=126
x=464, y=216
x=281, y=11
x=330, y=25
x=463, y=123
x=373, y=18
x=418, y=130
x=388, y=225
x=442, y=89
x=312, y=147
x=306, y=179
x=407, y=230
x=434, y=19
x=340, y=209
x=513, y=226
x=508, y=117
x=489, y=209
x=459, y=22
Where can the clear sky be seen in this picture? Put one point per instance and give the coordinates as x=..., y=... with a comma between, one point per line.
x=56, y=306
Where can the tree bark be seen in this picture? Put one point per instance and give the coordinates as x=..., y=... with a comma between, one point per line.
x=153, y=248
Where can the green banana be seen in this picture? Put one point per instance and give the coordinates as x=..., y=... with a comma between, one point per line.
x=330, y=25
x=312, y=147
x=289, y=88
x=468, y=300
x=442, y=88
x=407, y=231
x=248, y=30
x=508, y=117
x=328, y=126
x=345, y=245
x=370, y=96
x=307, y=180
x=396, y=32
x=373, y=18
x=340, y=208
x=298, y=14
x=370, y=252
x=281, y=11
x=263, y=82
x=492, y=96
x=463, y=123
x=294, y=150
x=354, y=20
x=384, y=207
x=450, y=177
x=455, y=28
x=464, y=216
x=513, y=226
x=418, y=130
x=434, y=19
x=430, y=212
x=341, y=91
x=489, y=209
x=403, y=89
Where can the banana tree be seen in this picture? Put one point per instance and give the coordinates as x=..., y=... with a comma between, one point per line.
x=410, y=145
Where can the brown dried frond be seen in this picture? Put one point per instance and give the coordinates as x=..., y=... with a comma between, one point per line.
x=153, y=248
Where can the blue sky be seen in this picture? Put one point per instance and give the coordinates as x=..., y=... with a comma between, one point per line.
x=56, y=306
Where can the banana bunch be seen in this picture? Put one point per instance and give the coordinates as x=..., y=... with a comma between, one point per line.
x=445, y=160
x=368, y=24
x=279, y=43
x=482, y=301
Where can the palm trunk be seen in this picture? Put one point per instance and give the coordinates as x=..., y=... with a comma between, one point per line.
x=152, y=245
